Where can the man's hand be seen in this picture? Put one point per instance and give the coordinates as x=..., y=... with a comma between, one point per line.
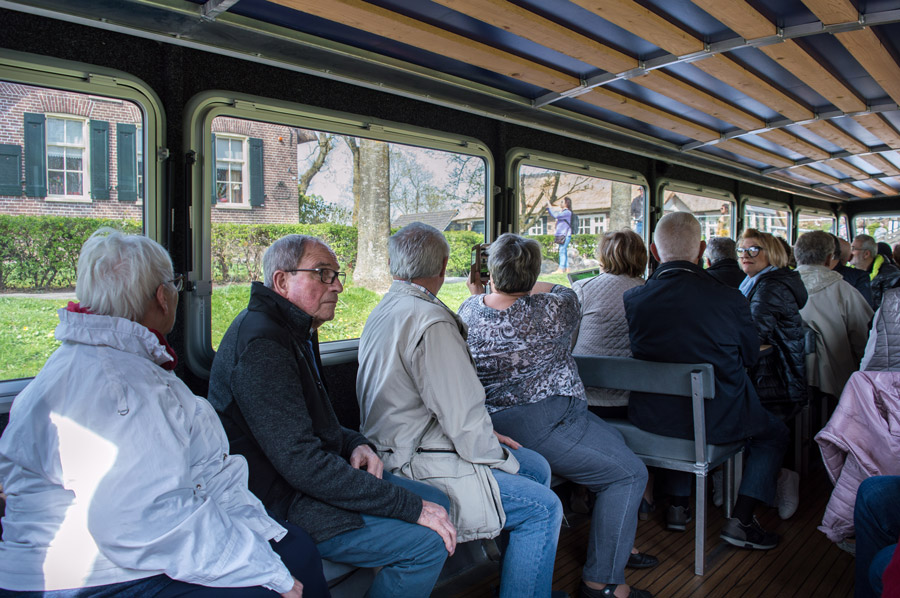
x=296, y=591
x=474, y=281
x=364, y=457
x=507, y=440
x=435, y=517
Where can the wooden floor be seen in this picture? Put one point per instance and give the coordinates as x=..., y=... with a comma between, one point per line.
x=805, y=563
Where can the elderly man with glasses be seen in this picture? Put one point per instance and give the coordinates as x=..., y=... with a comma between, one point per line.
x=266, y=382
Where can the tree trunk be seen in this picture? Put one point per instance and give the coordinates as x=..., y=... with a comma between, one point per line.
x=620, y=207
x=374, y=224
x=326, y=144
x=353, y=144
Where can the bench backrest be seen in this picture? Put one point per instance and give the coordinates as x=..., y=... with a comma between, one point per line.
x=627, y=373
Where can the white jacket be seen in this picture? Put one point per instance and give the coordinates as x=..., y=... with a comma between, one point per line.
x=840, y=316
x=115, y=471
x=422, y=405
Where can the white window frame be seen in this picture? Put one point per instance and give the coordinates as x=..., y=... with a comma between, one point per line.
x=708, y=192
x=245, y=172
x=85, y=195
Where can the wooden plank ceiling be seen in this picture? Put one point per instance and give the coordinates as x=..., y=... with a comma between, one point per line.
x=812, y=101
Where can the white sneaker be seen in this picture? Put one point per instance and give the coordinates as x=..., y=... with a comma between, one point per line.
x=787, y=493
x=718, y=488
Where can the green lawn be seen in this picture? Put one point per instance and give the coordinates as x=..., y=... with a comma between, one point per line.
x=27, y=324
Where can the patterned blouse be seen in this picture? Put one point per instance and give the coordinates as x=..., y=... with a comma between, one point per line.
x=523, y=352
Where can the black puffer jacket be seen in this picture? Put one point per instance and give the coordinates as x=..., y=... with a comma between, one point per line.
x=775, y=302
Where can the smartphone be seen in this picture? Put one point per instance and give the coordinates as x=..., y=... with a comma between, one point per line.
x=480, y=259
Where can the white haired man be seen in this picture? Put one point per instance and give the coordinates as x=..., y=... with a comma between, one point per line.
x=684, y=315
x=882, y=273
x=266, y=381
x=422, y=404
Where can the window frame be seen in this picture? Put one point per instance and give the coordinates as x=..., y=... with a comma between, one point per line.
x=751, y=200
x=85, y=195
x=66, y=75
x=244, y=204
x=520, y=156
x=199, y=113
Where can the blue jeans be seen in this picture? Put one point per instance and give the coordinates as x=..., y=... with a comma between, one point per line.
x=877, y=521
x=410, y=555
x=533, y=516
x=564, y=253
x=296, y=549
x=763, y=456
x=583, y=448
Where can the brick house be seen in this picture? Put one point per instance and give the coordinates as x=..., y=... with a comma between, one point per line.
x=72, y=154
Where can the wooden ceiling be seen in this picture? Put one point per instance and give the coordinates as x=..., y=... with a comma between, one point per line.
x=740, y=108
x=802, y=93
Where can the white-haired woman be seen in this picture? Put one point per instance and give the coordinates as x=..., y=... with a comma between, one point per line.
x=118, y=478
x=520, y=337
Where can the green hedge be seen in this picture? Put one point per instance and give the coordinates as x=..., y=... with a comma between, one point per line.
x=237, y=249
x=584, y=244
x=41, y=252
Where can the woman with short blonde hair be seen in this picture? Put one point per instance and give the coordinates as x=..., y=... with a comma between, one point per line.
x=622, y=252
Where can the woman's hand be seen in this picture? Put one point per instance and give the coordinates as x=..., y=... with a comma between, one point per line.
x=507, y=440
x=364, y=456
x=296, y=591
x=476, y=287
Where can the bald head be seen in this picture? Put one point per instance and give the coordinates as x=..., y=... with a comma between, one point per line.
x=677, y=238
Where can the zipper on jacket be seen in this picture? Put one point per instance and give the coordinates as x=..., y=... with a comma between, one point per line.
x=426, y=450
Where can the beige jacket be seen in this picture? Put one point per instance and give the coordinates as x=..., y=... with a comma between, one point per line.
x=422, y=405
x=840, y=316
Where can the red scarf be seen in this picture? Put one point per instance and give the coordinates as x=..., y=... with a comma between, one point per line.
x=169, y=365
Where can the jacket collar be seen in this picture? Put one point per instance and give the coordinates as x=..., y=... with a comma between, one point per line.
x=402, y=287
x=264, y=299
x=109, y=331
x=669, y=269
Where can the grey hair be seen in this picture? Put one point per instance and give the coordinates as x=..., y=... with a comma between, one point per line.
x=285, y=254
x=514, y=263
x=720, y=248
x=868, y=244
x=677, y=237
x=118, y=274
x=417, y=251
x=813, y=248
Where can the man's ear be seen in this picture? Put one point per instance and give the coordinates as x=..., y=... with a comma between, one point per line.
x=702, y=251
x=279, y=283
x=655, y=252
x=161, y=300
x=444, y=267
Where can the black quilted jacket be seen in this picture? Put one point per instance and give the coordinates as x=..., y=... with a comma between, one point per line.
x=775, y=302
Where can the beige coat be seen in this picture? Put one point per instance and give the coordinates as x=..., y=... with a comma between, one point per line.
x=840, y=316
x=422, y=405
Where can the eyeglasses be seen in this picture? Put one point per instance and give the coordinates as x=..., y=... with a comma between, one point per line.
x=178, y=281
x=326, y=275
x=750, y=251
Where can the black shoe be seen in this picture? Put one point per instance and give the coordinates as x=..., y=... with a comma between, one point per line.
x=645, y=510
x=608, y=592
x=677, y=518
x=748, y=536
x=641, y=561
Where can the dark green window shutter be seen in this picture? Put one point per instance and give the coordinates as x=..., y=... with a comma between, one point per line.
x=126, y=162
x=99, y=159
x=10, y=170
x=35, y=156
x=214, y=196
x=257, y=186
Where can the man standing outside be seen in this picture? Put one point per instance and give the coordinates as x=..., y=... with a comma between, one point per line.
x=422, y=404
x=684, y=315
x=882, y=273
x=266, y=382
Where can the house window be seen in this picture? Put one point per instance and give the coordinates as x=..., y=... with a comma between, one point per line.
x=231, y=169
x=66, y=157
x=539, y=227
x=139, y=159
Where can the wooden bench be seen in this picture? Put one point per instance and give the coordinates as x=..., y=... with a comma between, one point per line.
x=696, y=456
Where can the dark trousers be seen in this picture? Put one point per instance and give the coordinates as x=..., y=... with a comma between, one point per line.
x=877, y=521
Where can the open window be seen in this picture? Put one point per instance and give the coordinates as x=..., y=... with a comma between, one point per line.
x=715, y=209
x=601, y=199
x=267, y=169
x=768, y=217
x=70, y=144
x=884, y=227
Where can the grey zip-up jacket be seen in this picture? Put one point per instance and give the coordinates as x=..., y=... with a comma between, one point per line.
x=422, y=405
